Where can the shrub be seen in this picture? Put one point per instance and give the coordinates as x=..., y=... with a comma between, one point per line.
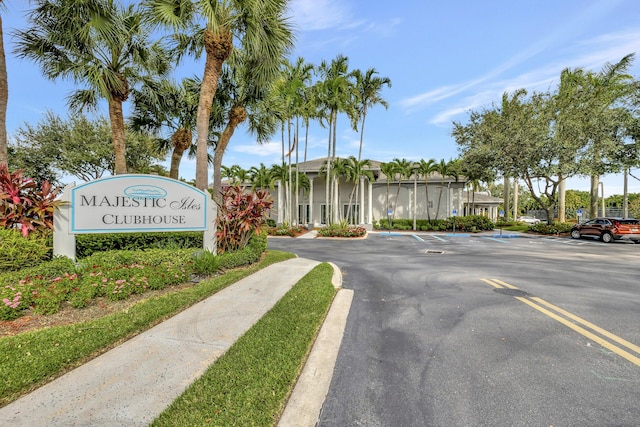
x=88, y=244
x=205, y=263
x=464, y=223
x=18, y=251
x=555, y=228
x=342, y=229
x=245, y=256
x=240, y=215
x=285, y=230
x=23, y=204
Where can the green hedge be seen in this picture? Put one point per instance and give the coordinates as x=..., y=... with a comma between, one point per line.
x=465, y=223
x=115, y=274
x=88, y=244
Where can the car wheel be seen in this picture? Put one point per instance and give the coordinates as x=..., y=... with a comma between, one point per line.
x=636, y=241
x=575, y=234
x=606, y=237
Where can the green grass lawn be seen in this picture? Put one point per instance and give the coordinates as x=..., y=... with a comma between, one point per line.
x=249, y=385
x=32, y=359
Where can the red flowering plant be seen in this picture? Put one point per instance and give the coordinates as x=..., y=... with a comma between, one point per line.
x=240, y=216
x=23, y=204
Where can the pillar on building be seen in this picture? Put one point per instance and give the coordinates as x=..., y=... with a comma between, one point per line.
x=361, y=208
x=280, y=202
x=311, y=220
x=369, y=219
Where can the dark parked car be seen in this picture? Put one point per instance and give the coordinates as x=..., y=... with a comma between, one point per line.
x=608, y=229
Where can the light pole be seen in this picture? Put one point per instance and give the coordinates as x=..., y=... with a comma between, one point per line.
x=602, y=197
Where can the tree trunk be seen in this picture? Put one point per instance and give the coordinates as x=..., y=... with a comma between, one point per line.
x=237, y=115
x=176, y=158
x=117, y=134
x=593, y=202
x=4, y=98
x=218, y=47
x=562, y=192
x=328, y=220
x=506, y=198
x=515, y=199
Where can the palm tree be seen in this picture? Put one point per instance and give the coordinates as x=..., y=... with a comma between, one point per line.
x=298, y=78
x=242, y=103
x=4, y=96
x=281, y=173
x=368, y=87
x=356, y=169
x=164, y=104
x=264, y=37
x=426, y=168
x=334, y=93
x=444, y=169
x=261, y=177
x=98, y=44
x=389, y=171
x=403, y=168
x=597, y=96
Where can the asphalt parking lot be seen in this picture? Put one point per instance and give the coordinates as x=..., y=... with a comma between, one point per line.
x=460, y=330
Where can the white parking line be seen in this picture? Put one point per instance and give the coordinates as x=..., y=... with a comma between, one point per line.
x=496, y=240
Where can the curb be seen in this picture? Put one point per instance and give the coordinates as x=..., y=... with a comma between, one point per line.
x=305, y=403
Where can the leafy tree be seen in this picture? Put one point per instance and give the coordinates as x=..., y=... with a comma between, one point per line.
x=99, y=44
x=264, y=37
x=599, y=118
x=78, y=147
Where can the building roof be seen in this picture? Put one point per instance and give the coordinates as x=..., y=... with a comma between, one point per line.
x=481, y=198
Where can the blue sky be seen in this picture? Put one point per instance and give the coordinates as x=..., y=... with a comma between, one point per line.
x=444, y=58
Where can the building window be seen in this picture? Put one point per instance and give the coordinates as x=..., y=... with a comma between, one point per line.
x=323, y=213
x=303, y=214
x=352, y=217
x=430, y=204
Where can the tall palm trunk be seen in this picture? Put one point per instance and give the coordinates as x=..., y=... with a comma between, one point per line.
x=237, y=115
x=594, y=196
x=4, y=97
x=297, y=189
x=117, y=133
x=218, y=47
x=181, y=140
x=357, y=186
x=335, y=198
x=328, y=218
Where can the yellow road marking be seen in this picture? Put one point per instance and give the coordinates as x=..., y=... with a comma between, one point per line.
x=537, y=304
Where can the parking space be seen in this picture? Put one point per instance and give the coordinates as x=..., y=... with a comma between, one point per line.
x=484, y=330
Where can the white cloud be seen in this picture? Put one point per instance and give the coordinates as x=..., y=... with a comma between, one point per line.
x=313, y=15
x=591, y=55
x=260, y=150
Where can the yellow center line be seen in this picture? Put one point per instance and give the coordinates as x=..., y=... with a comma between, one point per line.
x=590, y=325
x=604, y=343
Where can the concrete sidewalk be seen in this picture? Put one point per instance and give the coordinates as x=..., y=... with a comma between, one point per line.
x=133, y=383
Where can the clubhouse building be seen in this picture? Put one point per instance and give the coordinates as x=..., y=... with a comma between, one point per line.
x=380, y=198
